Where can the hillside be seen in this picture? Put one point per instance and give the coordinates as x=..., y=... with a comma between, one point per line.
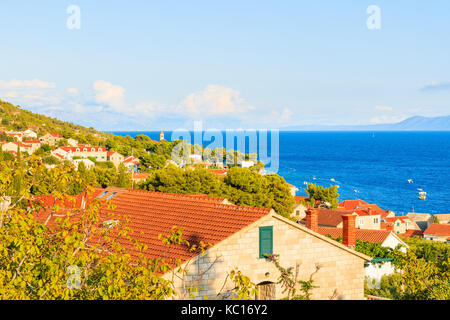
x=15, y=118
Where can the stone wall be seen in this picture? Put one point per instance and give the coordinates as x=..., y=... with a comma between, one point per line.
x=341, y=273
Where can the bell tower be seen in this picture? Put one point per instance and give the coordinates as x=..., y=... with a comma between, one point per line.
x=161, y=136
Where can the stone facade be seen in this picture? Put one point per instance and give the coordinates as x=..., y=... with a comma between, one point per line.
x=341, y=273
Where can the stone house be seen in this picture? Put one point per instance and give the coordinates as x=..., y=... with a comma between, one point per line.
x=15, y=145
x=400, y=225
x=51, y=138
x=34, y=145
x=115, y=158
x=82, y=151
x=437, y=232
x=240, y=237
x=422, y=220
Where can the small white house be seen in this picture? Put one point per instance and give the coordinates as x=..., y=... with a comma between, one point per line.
x=247, y=163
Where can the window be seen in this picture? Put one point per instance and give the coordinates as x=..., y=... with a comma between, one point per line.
x=361, y=221
x=112, y=195
x=93, y=149
x=78, y=150
x=375, y=220
x=297, y=212
x=84, y=150
x=102, y=194
x=265, y=241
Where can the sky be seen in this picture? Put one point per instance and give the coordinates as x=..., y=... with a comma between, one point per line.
x=151, y=65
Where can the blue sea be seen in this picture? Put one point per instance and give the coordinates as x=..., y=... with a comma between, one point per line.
x=377, y=164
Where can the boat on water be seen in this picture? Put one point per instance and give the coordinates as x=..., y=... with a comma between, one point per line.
x=418, y=189
x=356, y=191
x=422, y=198
x=410, y=181
x=332, y=179
x=422, y=193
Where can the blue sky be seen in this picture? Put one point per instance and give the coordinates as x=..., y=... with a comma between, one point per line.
x=150, y=65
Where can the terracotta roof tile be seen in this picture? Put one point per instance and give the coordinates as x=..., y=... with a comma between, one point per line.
x=152, y=213
x=438, y=229
x=374, y=236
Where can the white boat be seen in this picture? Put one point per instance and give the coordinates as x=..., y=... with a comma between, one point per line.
x=422, y=198
x=410, y=180
x=332, y=179
x=418, y=189
x=305, y=183
x=356, y=191
x=422, y=193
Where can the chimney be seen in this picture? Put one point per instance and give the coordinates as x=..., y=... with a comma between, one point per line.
x=312, y=219
x=348, y=232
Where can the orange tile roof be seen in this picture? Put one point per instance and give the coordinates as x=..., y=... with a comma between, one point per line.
x=352, y=204
x=411, y=233
x=152, y=213
x=373, y=236
x=394, y=219
x=219, y=172
x=438, y=229
x=330, y=217
x=300, y=199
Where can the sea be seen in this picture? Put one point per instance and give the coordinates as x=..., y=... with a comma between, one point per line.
x=385, y=168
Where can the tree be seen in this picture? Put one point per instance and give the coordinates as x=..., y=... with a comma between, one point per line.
x=123, y=178
x=153, y=161
x=326, y=196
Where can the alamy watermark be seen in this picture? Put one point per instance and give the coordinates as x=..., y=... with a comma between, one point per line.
x=74, y=279
x=374, y=20
x=226, y=147
x=74, y=20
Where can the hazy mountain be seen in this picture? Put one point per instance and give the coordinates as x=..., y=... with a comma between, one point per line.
x=416, y=123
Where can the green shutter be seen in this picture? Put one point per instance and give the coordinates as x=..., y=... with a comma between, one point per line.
x=265, y=241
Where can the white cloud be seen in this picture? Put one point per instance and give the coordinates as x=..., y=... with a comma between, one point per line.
x=26, y=84
x=387, y=119
x=111, y=95
x=383, y=108
x=214, y=100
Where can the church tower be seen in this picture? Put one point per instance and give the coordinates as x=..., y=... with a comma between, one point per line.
x=161, y=136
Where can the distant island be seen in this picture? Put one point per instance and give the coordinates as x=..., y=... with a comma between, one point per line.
x=416, y=123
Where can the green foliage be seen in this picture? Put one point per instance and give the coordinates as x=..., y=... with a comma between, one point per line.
x=77, y=258
x=289, y=280
x=424, y=273
x=241, y=186
x=324, y=195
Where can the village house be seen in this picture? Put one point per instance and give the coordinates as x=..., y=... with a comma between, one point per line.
x=16, y=145
x=15, y=135
x=131, y=163
x=374, y=268
x=372, y=209
x=400, y=224
x=241, y=238
x=51, y=138
x=34, y=145
x=30, y=134
x=437, y=232
x=442, y=218
x=81, y=151
x=333, y=218
x=293, y=189
x=422, y=220
x=246, y=163
x=115, y=158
